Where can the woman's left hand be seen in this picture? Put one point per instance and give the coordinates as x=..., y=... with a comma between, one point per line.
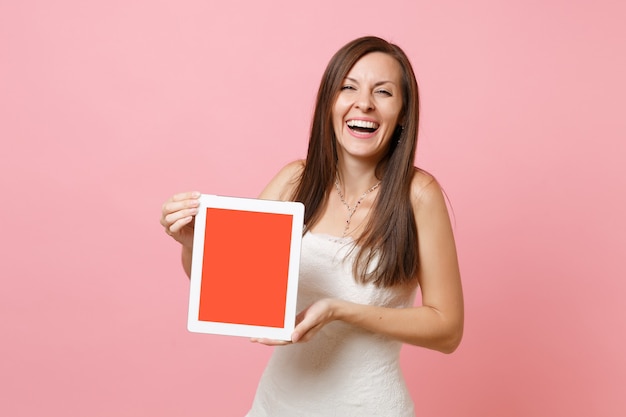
x=308, y=322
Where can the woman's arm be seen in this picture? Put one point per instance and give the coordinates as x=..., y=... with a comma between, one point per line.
x=436, y=324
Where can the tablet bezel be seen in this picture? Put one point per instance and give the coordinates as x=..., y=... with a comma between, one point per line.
x=293, y=209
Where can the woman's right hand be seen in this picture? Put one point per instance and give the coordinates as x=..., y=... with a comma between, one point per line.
x=177, y=215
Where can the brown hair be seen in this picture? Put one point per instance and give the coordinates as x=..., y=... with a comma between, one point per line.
x=391, y=232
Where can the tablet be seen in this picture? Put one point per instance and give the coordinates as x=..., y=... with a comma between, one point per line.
x=244, y=269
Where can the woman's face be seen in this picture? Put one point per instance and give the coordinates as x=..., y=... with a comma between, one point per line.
x=367, y=110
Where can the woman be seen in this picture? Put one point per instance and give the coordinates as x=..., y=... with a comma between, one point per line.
x=376, y=230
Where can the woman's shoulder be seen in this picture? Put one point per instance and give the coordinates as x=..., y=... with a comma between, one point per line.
x=425, y=190
x=284, y=183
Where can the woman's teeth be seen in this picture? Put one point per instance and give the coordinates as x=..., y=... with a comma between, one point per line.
x=362, y=125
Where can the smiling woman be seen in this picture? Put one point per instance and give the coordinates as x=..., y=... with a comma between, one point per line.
x=366, y=209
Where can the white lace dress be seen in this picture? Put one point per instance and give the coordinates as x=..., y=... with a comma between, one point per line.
x=343, y=371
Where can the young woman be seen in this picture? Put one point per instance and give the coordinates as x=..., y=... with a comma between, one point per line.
x=376, y=230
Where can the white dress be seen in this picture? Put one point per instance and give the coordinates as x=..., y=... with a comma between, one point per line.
x=344, y=370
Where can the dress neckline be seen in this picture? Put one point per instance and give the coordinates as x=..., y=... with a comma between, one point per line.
x=331, y=238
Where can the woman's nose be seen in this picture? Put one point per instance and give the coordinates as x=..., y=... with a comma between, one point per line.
x=364, y=101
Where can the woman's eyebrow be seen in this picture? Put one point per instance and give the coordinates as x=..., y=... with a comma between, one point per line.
x=375, y=85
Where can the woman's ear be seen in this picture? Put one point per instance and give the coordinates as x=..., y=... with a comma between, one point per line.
x=398, y=133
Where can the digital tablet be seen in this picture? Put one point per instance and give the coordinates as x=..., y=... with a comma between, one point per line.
x=244, y=269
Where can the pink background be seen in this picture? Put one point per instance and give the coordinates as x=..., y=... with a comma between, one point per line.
x=108, y=107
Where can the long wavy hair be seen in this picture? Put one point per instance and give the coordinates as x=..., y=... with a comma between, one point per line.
x=390, y=236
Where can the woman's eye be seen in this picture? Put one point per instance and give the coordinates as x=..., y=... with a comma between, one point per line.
x=384, y=92
x=347, y=87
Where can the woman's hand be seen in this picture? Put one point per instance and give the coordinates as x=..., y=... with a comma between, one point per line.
x=177, y=216
x=308, y=322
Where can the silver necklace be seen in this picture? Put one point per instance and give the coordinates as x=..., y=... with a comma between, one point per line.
x=352, y=209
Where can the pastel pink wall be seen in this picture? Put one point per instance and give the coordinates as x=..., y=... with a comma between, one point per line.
x=108, y=107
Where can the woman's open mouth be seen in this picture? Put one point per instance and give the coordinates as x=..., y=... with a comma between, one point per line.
x=362, y=126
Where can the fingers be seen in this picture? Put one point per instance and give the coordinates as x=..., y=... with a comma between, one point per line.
x=270, y=342
x=178, y=223
x=311, y=320
x=183, y=214
x=306, y=327
x=181, y=201
x=179, y=210
x=304, y=333
x=189, y=195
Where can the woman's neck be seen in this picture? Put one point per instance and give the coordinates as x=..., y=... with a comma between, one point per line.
x=355, y=179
